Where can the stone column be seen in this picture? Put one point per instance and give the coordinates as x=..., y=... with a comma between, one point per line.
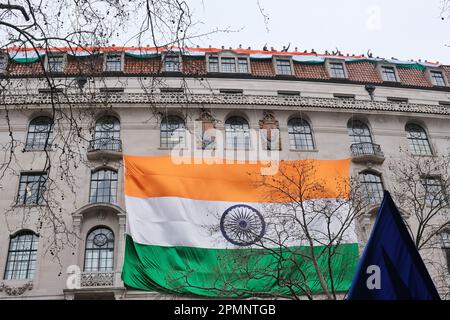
x=120, y=249
x=76, y=220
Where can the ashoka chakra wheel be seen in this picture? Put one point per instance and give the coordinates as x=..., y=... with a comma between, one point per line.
x=242, y=225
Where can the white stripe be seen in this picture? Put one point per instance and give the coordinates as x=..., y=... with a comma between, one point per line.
x=173, y=221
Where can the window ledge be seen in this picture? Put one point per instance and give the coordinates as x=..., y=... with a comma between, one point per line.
x=29, y=206
x=38, y=150
x=303, y=150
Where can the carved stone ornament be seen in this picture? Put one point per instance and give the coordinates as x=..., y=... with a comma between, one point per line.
x=232, y=101
x=205, y=116
x=16, y=291
x=269, y=121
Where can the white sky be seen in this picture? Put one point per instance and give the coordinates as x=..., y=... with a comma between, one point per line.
x=404, y=29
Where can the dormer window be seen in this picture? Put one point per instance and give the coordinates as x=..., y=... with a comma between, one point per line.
x=113, y=63
x=242, y=65
x=283, y=66
x=437, y=78
x=3, y=62
x=55, y=63
x=388, y=74
x=213, y=64
x=228, y=64
x=337, y=70
x=172, y=63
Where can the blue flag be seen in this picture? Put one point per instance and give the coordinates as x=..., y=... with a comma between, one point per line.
x=391, y=267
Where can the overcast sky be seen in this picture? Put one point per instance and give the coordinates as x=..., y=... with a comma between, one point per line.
x=404, y=29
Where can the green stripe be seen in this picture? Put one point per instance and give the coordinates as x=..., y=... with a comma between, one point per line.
x=26, y=60
x=234, y=273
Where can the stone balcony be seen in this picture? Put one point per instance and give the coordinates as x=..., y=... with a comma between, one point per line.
x=105, y=148
x=96, y=286
x=97, y=279
x=365, y=152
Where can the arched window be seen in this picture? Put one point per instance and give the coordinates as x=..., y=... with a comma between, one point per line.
x=107, y=134
x=300, y=134
x=372, y=187
x=39, y=133
x=173, y=132
x=418, y=140
x=99, y=254
x=359, y=132
x=237, y=133
x=21, y=262
x=103, y=186
x=445, y=237
x=362, y=143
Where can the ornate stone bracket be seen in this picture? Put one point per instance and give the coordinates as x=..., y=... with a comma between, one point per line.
x=16, y=291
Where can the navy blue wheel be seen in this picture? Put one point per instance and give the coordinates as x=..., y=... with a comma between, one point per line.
x=242, y=225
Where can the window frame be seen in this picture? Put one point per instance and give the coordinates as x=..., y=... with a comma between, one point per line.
x=5, y=57
x=283, y=58
x=364, y=184
x=382, y=67
x=98, y=259
x=292, y=135
x=111, y=181
x=41, y=189
x=431, y=71
x=445, y=245
x=330, y=62
x=367, y=133
x=172, y=55
x=228, y=55
x=112, y=136
x=246, y=135
x=35, y=146
x=31, y=263
x=410, y=139
x=429, y=202
x=120, y=55
x=181, y=126
x=49, y=56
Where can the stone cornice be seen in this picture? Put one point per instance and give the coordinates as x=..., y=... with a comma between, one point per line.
x=201, y=100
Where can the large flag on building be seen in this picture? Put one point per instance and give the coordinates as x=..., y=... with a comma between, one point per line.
x=391, y=267
x=201, y=229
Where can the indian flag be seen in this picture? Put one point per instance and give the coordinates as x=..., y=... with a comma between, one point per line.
x=224, y=230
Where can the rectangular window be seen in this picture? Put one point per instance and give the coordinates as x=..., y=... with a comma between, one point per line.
x=50, y=91
x=388, y=74
x=113, y=63
x=434, y=192
x=284, y=67
x=55, y=63
x=213, y=64
x=344, y=96
x=288, y=93
x=112, y=90
x=103, y=186
x=231, y=91
x=228, y=64
x=31, y=188
x=243, y=65
x=172, y=64
x=437, y=78
x=397, y=100
x=171, y=90
x=337, y=70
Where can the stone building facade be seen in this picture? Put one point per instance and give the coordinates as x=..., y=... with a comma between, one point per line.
x=137, y=101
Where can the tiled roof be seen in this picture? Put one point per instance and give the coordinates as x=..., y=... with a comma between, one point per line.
x=148, y=61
